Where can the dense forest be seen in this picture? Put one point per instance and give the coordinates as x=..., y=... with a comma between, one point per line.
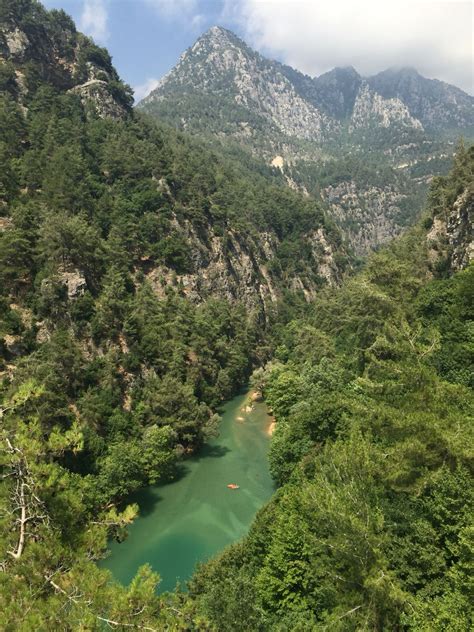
x=371, y=527
x=110, y=373
x=109, y=377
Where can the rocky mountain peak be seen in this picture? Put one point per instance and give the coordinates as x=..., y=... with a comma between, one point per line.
x=336, y=90
x=224, y=74
x=214, y=46
x=219, y=36
x=207, y=65
x=435, y=103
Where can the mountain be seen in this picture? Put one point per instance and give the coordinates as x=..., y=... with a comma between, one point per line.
x=279, y=99
x=234, y=89
x=439, y=106
x=141, y=274
x=336, y=91
x=142, y=279
x=222, y=67
x=401, y=130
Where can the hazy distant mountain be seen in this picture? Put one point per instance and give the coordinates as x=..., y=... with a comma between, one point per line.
x=366, y=146
x=436, y=104
x=244, y=89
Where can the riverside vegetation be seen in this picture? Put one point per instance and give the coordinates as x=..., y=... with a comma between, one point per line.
x=371, y=528
x=112, y=370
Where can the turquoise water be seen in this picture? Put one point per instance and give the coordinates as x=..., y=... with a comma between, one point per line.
x=195, y=517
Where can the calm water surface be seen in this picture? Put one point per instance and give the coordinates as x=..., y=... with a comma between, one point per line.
x=194, y=518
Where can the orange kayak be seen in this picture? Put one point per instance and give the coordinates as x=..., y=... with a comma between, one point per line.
x=233, y=486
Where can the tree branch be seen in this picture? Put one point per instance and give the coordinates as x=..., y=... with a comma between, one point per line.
x=109, y=622
x=23, y=499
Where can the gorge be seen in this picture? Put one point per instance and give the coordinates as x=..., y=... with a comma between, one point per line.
x=246, y=224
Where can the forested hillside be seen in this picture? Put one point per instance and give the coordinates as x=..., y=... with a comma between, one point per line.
x=143, y=277
x=371, y=528
x=139, y=276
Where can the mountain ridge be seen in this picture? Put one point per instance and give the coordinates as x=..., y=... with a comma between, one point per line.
x=110, y=370
x=386, y=83
x=223, y=90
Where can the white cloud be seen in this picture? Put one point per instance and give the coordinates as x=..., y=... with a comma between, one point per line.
x=175, y=9
x=197, y=21
x=145, y=88
x=94, y=19
x=371, y=35
x=184, y=12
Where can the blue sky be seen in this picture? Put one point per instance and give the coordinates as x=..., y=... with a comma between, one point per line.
x=146, y=37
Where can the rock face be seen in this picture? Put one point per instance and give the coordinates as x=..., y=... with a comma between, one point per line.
x=436, y=104
x=95, y=94
x=41, y=46
x=242, y=268
x=368, y=215
x=370, y=108
x=460, y=231
x=450, y=239
x=397, y=121
x=75, y=283
x=16, y=43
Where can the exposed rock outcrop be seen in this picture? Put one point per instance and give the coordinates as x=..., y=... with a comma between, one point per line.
x=45, y=45
x=367, y=215
x=96, y=94
x=371, y=108
x=438, y=105
x=239, y=268
x=75, y=282
x=450, y=238
x=460, y=230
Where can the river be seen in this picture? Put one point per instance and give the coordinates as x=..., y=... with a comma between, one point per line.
x=195, y=517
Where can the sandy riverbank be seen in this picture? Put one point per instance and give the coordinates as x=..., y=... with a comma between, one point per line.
x=270, y=429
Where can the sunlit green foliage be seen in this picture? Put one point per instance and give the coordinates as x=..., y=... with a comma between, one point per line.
x=110, y=375
x=371, y=527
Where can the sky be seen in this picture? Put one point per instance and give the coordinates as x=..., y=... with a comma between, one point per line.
x=146, y=37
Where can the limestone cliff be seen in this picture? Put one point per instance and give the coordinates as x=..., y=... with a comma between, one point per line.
x=460, y=230
x=450, y=236
x=245, y=267
x=370, y=108
x=367, y=215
